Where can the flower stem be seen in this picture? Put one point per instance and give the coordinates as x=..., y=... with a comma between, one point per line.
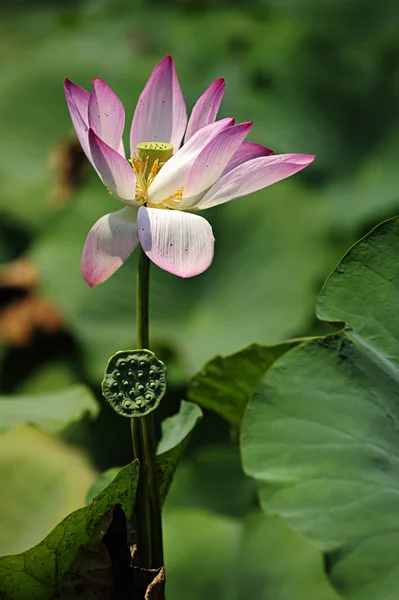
x=143, y=294
x=148, y=507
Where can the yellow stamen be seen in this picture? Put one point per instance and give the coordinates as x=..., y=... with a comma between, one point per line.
x=150, y=158
x=143, y=180
x=174, y=200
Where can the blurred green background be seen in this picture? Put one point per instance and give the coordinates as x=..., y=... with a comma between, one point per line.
x=319, y=77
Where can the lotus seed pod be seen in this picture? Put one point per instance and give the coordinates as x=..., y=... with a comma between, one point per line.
x=134, y=382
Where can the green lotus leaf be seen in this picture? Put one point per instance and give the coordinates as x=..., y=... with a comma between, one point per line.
x=321, y=434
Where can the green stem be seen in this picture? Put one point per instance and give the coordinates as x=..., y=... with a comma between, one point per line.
x=148, y=506
x=142, y=299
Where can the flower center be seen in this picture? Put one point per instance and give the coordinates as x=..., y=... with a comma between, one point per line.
x=150, y=157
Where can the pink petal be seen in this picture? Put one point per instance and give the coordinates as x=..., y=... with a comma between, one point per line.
x=106, y=115
x=160, y=114
x=79, y=96
x=114, y=170
x=247, y=151
x=78, y=101
x=210, y=164
x=173, y=174
x=206, y=108
x=254, y=175
x=178, y=242
x=109, y=243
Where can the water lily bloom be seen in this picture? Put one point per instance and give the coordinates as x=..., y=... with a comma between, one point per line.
x=163, y=183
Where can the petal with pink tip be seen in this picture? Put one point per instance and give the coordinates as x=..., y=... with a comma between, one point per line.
x=79, y=96
x=173, y=175
x=254, y=175
x=206, y=108
x=211, y=162
x=114, y=170
x=178, y=242
x=109, y=243
x=106, y=115
x=247, y=151
x=78, y=101
x=160, y=114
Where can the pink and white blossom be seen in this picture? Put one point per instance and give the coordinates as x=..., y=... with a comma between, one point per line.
x=214, y=165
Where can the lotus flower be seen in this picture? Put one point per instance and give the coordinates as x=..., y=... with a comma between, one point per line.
x=163, y=183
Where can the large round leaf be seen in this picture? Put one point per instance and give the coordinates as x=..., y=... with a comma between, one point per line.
x=218, y=544
x=321, y=435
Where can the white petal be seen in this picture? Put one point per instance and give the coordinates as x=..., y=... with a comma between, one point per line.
x=109, y=243
x=254, y=175
x=78, y=100
x=180, y=243
x=206, y=108
x=160, y=114
x=174, y=173
x=106, y=115
x=114, y=170
x=247, y=151
x=211, y=162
